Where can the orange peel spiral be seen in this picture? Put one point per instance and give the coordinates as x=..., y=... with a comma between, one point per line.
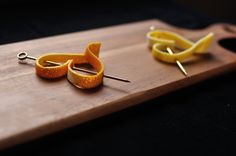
x=68, y=60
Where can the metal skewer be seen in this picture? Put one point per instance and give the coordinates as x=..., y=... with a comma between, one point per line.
x=177, y=61
x=23, y=56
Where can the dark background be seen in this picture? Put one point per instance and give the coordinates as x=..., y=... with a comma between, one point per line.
x=198, y=120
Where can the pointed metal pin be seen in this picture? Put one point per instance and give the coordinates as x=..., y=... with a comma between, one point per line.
x=178, y=62
x=23, y=56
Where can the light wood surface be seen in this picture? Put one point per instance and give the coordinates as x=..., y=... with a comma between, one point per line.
x=31, y=107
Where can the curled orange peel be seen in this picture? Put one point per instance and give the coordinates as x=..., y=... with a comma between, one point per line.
x=68, y=60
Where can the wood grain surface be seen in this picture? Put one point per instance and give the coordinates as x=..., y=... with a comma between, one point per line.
x=31, y=107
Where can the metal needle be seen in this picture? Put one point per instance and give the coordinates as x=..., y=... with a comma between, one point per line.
x=23, y=55
x=177, y=61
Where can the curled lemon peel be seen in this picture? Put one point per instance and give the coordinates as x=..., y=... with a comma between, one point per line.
x=159, y=40
x=67, y=60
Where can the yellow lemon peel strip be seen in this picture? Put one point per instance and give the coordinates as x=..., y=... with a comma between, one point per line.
x=159, y=40
x=67, y=61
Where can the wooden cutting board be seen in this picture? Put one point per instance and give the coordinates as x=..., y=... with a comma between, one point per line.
x=31, y=107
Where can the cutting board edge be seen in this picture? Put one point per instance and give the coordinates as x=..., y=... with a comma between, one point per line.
x=83, y=31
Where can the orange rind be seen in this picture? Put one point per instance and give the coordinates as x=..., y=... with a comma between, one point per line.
x=67, y=62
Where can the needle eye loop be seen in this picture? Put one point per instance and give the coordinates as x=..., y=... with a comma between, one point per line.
x=22, y=55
